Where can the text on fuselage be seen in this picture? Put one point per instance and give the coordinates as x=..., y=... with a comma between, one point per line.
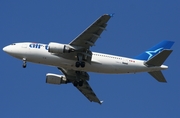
x=38, y=46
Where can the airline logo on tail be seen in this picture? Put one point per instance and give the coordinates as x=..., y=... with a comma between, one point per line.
x=152, y=53
x=155, y=50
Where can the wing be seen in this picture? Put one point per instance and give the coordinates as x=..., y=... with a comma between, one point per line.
x=89, y=36
x=85, y=89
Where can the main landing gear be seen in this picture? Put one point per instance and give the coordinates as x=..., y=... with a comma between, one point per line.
x=24, y=63
x=78, y=80
x=80, y=62
x=76, y=83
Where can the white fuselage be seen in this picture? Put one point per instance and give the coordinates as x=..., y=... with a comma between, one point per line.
x=101, y=63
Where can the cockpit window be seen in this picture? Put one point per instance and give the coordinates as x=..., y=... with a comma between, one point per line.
x=13, y=44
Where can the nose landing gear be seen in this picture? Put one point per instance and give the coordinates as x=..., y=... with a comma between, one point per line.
x=24, y=63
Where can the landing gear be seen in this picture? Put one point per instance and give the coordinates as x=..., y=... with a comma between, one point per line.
x=24, y=63
x=80, y=62
x=81, y=83
x=76, y=83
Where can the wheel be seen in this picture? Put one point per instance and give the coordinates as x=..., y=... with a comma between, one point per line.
x=81, y=83
x=24, y=65
x=24, y=62
x=82, y=64
x=78, y=64
x=78, y=72
x=75, y=83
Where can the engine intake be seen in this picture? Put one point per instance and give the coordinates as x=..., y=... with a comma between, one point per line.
x=59, y=48
x=55, y=79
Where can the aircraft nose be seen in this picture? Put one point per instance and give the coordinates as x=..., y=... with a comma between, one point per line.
x=5, y=49
x=11, y=50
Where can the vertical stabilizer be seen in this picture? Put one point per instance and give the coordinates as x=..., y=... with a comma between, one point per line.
x=158, y=59
x=155, y=50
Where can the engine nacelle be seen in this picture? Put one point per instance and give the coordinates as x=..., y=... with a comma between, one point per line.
x=59, y=48
x=55, y=79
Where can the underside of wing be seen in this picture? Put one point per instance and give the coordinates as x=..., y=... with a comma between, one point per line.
x=89, y=36
x=85, y=88
x=87, y=91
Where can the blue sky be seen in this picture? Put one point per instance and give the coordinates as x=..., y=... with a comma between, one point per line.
x=135, y=27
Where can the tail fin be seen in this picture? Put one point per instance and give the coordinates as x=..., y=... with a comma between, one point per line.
x=155, y=50
x=158, y=60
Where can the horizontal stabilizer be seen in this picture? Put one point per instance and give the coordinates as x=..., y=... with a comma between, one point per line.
x=158, y=76
x=158, y=59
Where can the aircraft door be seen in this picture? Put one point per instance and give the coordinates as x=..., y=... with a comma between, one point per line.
x=125, y=61
x=24, y=49
x=24, y=45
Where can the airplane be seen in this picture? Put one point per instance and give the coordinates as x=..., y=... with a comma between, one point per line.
x=75, y=59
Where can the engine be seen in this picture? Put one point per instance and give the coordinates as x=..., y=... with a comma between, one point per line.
x=55, y=79
x=59, y=48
